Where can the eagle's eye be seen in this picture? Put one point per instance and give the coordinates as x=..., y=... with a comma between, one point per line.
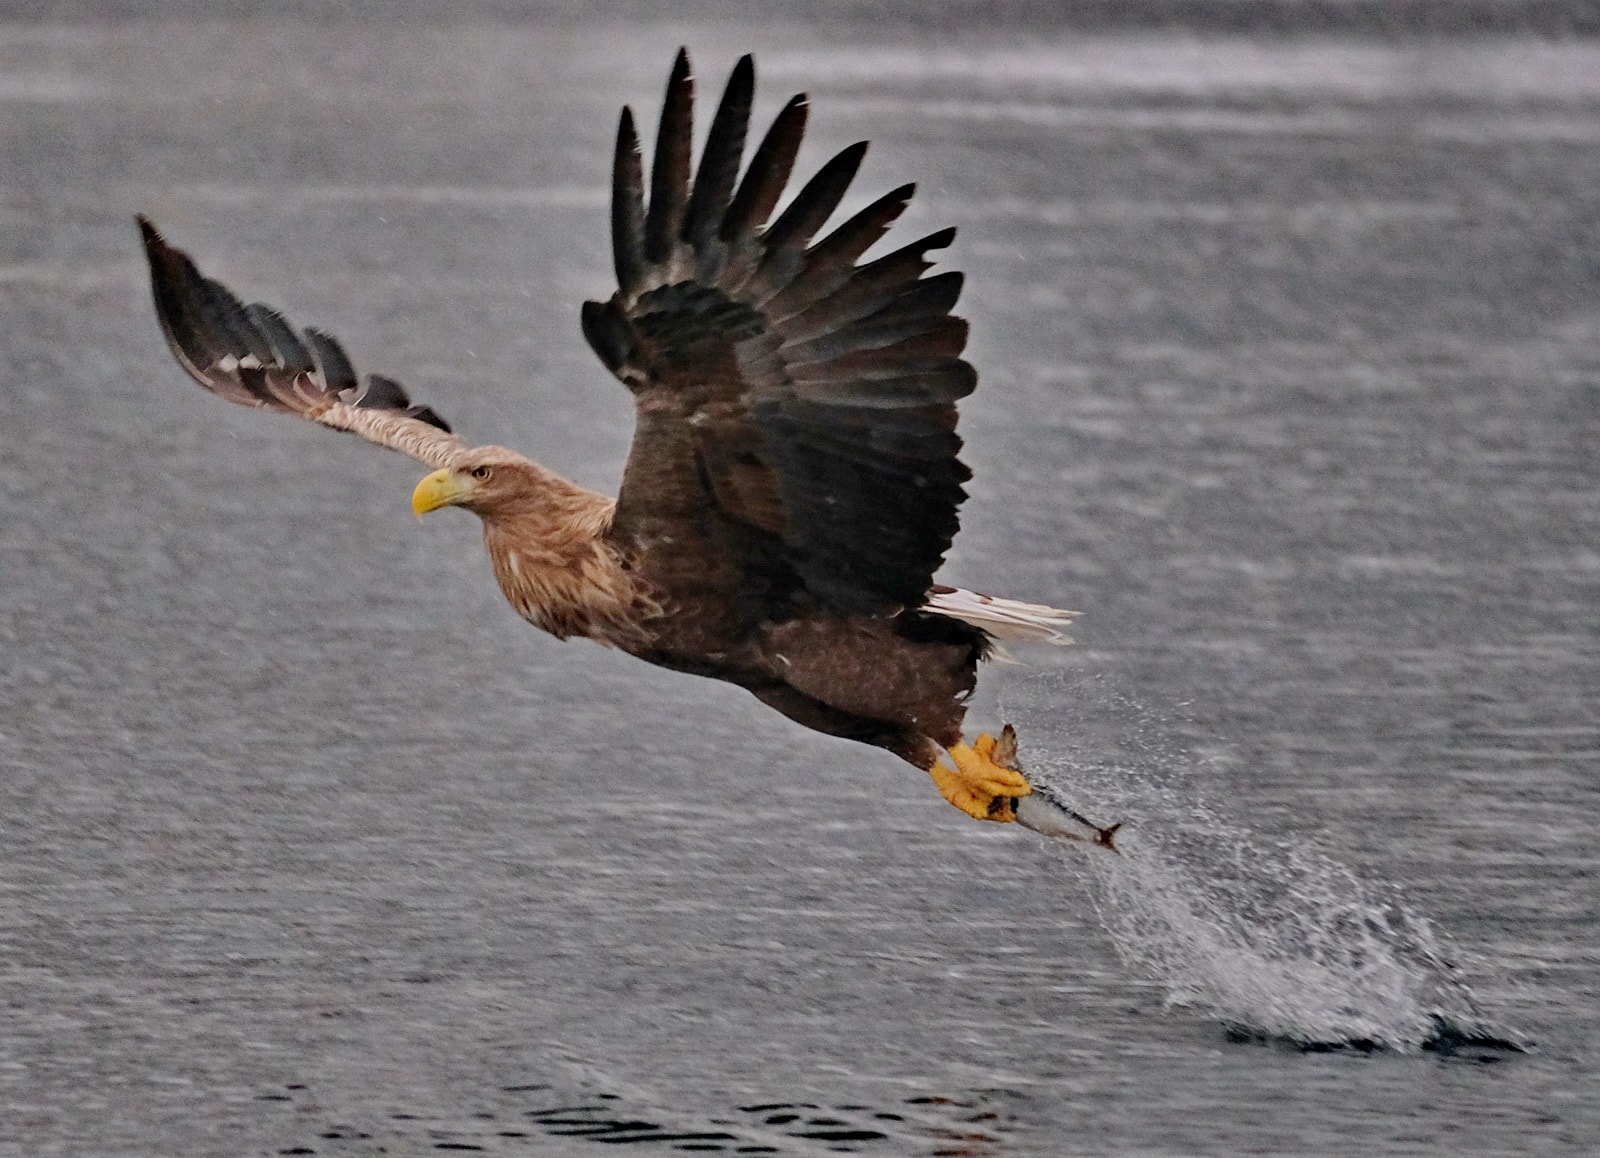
x=481, y=472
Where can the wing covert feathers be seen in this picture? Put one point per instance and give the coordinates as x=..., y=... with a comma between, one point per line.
x=782, y=359
x=251, y=355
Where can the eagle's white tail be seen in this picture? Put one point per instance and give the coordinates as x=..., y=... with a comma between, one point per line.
x=1002, y=618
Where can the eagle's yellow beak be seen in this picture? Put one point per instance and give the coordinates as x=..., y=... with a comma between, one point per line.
x=442, y=488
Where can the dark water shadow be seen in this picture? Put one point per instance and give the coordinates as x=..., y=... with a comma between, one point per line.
x=1448, y=1039
x=529, y=1117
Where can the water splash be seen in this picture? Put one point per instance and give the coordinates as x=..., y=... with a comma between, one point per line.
x=1277, y=941
x=1280, y=942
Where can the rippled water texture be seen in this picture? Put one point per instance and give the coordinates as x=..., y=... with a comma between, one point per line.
x=1291, y=383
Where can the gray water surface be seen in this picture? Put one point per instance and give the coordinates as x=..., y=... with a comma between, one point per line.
x=1290, y=356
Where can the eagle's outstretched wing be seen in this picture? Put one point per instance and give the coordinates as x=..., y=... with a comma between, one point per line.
x=251, y=355
x=808, y=400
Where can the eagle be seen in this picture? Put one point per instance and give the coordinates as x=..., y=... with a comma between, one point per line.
x=794, y=478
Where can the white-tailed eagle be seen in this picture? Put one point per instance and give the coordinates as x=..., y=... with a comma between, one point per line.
x=794, y=478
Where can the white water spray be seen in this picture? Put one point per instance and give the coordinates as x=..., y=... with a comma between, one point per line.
x=1275, y=940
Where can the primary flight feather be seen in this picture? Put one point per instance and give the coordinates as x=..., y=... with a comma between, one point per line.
x=794, y=478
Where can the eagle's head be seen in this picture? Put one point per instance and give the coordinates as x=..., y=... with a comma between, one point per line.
x=486, y=480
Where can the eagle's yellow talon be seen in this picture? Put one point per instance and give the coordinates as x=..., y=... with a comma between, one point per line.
x=979, y=785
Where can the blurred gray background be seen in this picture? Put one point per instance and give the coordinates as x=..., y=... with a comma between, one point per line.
x=1287, y=323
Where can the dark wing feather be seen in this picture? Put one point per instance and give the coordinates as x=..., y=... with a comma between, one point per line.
x=785, y=240
x=287, y=348
x=627, y=208
x=719, y=163
x=769, y=171
x=832, y=263
x=804, y=400
x=669, y=177
x=251, y=355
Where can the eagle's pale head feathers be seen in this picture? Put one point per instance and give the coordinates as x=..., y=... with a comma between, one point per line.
x=486, y=480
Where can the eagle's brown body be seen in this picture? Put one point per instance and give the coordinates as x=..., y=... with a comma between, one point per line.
x=794, y=477
x=898, y=682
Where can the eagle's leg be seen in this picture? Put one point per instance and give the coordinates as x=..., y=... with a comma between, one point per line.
x=985, y=782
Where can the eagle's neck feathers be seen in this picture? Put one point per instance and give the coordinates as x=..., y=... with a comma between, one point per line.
x=555, y=566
